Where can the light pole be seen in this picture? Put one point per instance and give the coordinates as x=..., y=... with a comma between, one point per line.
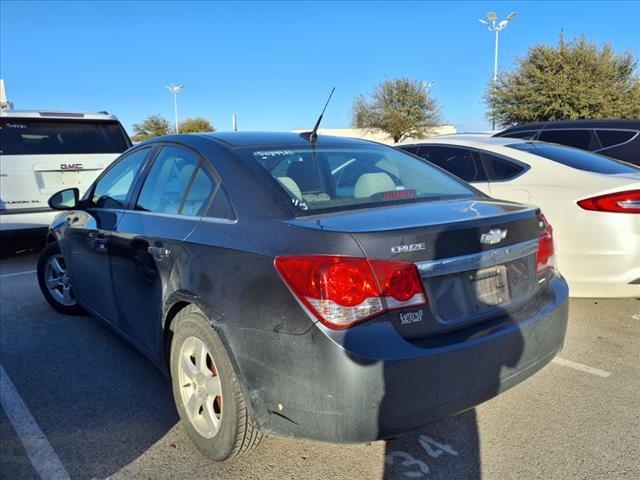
x=175, y=89
x=492, y=26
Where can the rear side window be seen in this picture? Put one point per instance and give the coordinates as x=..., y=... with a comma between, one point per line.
x=459, y=161
x=34, y=136
x=197, y=199
x=572, y=138
x=113, y=187
x=500, y=169
x=579, y=159
x=609, y=138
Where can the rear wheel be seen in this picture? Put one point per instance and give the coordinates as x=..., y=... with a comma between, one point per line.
x=54, y=281
x=206, y=390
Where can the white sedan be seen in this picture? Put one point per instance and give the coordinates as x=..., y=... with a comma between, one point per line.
x=592, y=202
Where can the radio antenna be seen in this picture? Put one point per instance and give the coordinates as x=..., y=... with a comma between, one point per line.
x=312, y=136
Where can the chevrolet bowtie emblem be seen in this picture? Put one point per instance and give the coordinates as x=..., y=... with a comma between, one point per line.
x=493, y=236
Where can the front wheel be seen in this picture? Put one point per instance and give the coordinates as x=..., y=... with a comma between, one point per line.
x=206, y=391
x=54, y=281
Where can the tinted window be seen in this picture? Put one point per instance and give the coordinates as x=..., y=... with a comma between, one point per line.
x=200, y=191
x=526, y=135
x=221, y=206
x=33, y=136
x=587, y=161
x=608, y=138
x=113, y=187
x=410, y=149
x=572, y=138
x=459, y=161
x=167, y=182
x=500, y=169
x=358, y=176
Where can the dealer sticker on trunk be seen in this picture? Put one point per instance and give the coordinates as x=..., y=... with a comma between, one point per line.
x=411, y=317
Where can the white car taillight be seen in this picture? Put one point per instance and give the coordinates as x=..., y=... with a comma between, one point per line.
x=619, y=202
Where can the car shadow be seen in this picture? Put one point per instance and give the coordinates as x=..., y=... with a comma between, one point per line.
x=446, y=449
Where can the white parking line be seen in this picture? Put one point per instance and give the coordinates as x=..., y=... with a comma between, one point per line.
x=4, y=275
x=42, y=456
x=581, y=367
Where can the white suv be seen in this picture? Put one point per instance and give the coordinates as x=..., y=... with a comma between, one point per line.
x=44, y=152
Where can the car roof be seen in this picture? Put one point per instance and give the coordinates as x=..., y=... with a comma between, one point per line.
x=57, y=115
x=468, y=140
x=254, y=139
x=569, y=124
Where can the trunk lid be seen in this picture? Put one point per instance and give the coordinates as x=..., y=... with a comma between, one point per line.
x=476, y=257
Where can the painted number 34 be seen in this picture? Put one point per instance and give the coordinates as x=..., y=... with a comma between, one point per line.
x=416, y=468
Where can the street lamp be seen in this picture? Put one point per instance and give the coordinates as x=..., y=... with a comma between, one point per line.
x=175, y=89
x=492, y=26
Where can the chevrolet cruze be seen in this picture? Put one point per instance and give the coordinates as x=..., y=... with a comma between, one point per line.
x=321, y=288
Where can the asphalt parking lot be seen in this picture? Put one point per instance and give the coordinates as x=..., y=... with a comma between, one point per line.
x=78, y=402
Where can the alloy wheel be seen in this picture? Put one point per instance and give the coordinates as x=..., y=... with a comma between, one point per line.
x=200, y=387
x=57, y=280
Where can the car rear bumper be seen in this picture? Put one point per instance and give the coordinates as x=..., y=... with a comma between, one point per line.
x=368, y=383
x=600, y=254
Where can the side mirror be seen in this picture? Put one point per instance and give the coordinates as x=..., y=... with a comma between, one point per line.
x=67, y=199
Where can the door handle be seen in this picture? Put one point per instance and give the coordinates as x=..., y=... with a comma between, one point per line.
x=159, y=252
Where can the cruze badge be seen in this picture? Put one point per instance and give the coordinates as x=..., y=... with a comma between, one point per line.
x=414, y=247
x=493, y=236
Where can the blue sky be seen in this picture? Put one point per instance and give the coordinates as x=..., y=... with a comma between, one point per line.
x=274, y=63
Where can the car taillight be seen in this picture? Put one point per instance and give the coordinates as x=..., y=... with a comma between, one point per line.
x=343, y=291
x=619, y=202
x=545, y=258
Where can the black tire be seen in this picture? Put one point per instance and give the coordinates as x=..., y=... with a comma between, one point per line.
x=49, y=251
x=237, y=434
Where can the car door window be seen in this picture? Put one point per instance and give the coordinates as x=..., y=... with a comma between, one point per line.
x=113, y=187
x=197, y=199
x=165, y=186
x=459, y=161
x=609, y=138
x=411, y=149
x=500, y=169
x=572, y=138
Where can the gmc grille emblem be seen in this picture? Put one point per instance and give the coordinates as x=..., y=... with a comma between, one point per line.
x=493, y=236
x=71, y=166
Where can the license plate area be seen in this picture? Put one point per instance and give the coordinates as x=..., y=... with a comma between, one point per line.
x=464, y=297
x=489, y=287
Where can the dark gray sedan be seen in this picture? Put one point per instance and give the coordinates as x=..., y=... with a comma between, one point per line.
x=336, y=290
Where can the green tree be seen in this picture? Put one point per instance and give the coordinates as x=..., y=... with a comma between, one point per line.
x=152, y=126
x=196, y=125
x=573, y=80
x=401, y=107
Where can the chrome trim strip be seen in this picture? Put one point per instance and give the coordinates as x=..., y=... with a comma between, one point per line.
x=184, y=217
x=475, y=261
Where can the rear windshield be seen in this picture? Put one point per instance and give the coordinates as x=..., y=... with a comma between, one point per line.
x=345, y=178
x=580, y=159
x=34, y=136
